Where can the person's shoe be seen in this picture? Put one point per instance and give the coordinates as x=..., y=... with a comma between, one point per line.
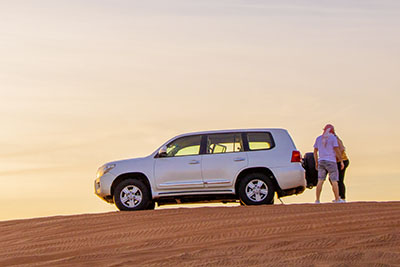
x=317, y=202
x=339, y=201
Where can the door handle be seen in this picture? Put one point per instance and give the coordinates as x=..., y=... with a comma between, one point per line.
x=194, y=162
x=239, y=159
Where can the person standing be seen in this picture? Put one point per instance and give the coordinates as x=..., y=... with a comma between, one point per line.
x=342, y=187
x=326, y=150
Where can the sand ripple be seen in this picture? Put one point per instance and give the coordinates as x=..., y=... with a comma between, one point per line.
x=351, y=234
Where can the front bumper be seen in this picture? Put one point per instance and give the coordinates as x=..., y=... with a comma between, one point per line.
x=102, y=187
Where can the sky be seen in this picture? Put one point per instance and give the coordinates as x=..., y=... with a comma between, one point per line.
x=87, y=82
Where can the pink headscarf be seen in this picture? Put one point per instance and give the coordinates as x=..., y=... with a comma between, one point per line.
x=328, y=130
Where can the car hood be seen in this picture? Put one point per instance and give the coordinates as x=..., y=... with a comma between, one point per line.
x=130, y=165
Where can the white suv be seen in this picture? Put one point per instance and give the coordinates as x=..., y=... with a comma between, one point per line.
x=229, y=165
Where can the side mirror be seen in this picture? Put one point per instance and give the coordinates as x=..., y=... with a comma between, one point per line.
x=162, y=153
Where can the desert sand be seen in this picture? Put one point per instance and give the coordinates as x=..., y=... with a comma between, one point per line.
x=350, y=234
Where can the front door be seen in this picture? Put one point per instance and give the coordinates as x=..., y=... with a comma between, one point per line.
x=181, y=167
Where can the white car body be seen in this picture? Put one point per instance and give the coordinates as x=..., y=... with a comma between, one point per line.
x=208, y=175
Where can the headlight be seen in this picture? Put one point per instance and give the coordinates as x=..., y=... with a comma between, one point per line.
x=104, y=169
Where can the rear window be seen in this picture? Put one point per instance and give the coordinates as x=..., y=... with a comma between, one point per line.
x=224, y=143
x=260, y=141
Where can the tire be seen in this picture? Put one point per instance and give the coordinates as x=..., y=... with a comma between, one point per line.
x=256, y=189
x=151, y=206
x=131, y=194
x=311, y=172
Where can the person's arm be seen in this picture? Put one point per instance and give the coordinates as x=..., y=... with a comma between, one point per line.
x=339, y=156
x=316, y=157
x=341, y=146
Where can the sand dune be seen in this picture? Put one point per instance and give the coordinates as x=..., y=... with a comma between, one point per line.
x=352, y=234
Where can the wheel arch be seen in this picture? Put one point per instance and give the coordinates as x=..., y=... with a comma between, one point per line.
x=263, y=170
x=131, y=175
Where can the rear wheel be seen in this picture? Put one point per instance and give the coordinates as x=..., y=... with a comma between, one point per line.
x=256, y=189
x=131, y=194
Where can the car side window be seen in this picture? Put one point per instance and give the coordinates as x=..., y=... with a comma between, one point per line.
x=224, y=143
x=260, y=141
x=184, y=146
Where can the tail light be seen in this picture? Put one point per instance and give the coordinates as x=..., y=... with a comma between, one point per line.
x=296, y=156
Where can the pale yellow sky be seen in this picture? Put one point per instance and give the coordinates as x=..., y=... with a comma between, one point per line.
x=86, y=82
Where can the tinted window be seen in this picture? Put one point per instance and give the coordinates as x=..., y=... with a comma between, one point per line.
x=184, y=146
x=224, y=143
x=260, y=141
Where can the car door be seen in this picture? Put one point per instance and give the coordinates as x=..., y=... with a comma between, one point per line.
x=224, y=158
x=180, y=168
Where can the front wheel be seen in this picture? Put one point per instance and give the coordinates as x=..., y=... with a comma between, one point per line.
x=131, y=194
x=256, y=189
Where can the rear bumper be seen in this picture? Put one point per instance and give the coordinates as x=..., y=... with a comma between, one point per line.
x=290, y=177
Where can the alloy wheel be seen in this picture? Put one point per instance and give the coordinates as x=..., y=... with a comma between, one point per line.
x=256, y=190
x=131, y=196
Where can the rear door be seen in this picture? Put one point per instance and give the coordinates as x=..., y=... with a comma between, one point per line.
x=224, y=158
